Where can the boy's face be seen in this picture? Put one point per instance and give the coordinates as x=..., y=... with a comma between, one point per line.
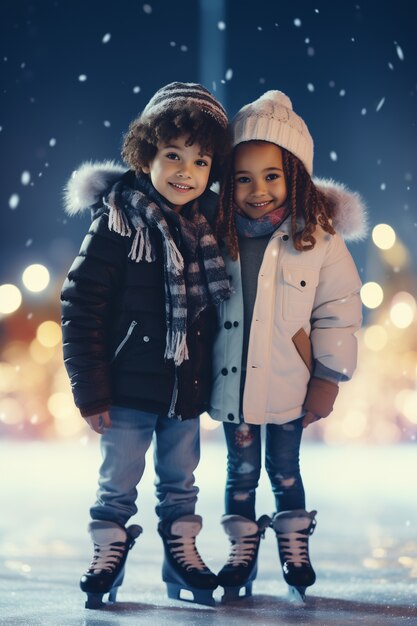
x=259, y=182
x=178, y=172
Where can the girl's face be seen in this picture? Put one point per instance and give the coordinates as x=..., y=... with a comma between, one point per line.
x=259, y=182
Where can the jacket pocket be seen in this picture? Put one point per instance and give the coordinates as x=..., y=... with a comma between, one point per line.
x=302, y=344
x=124, y=340
x=299, y=291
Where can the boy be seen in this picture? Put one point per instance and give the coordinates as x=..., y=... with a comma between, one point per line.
x=137, y=320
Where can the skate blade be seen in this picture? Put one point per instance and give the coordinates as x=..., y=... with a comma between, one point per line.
x=232, y=594
x=198, y=596
x=297, y=594
x=95, y=600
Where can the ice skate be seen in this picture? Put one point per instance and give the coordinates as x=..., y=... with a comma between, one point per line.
x=105, y=574
x=293, y=529
x=241, y=567
x=183, y=568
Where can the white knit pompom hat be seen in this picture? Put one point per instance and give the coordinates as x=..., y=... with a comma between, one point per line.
x=271, y=118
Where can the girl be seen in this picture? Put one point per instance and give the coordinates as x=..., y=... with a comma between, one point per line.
x=287, y=335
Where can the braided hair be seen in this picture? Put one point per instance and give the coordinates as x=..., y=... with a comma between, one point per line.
x=305, y=201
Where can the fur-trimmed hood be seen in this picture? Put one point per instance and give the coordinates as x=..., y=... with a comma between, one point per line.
x=88, y=184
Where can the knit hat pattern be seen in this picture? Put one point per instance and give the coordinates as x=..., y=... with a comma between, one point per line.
x=271, y=118
x=186, y=93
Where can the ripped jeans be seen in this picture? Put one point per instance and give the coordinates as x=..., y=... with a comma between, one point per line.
x=244, y=461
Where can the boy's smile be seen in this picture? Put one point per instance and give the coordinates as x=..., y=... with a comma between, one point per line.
x=179, y=172
x=259, y=181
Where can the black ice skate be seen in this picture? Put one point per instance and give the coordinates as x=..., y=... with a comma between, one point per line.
x=183, y=567
x=293, y=529
x=105, y=574
x=241, y=567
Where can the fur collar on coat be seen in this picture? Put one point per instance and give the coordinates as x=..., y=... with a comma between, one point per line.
x=88, y=184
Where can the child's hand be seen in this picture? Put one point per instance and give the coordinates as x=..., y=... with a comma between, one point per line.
x=99, y=422
x=309, y=418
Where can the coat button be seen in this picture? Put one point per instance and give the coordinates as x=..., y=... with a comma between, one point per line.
x=230, y=416
x=285, y=238
x=146, y=339
x=228, y=325
x=303, y=283
x=235, y=324
x=224, y=371
x=234, y=369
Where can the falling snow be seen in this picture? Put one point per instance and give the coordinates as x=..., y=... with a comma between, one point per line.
x=14, y=201
x=25, y=178
x=380, y=104
x=400, y=53
x=221, y=25
x=82, y=78
x=310, y=87
x=297, y=22
x=136, y=89
x=333, y=155
x=147, y=8
x=106, y=38
x=52, y=142
x=229, y=74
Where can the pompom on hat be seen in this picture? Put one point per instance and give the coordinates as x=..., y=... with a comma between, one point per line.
x=186, y=94
x=271, y=118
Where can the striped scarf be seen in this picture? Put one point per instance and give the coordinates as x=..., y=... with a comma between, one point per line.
x=261, y=226
x=189, y=287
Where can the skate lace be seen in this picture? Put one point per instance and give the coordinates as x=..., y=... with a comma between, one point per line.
x=242, y=551
x=186, y=553
x=294, y=547
x=107, y=557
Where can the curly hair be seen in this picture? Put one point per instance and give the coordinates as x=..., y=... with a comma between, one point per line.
x=305, y=201
x=141, y=141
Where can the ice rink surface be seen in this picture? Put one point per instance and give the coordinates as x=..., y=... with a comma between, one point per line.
x=364, y=549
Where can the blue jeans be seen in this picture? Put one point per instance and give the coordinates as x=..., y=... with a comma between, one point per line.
x=123, y=448
x=244, y=461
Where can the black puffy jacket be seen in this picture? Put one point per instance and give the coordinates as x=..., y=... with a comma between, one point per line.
x=113, y=324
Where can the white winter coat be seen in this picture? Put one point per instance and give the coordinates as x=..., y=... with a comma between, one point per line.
x=307, y=308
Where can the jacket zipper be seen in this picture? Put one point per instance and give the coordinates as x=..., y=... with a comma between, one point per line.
x=171, y=411
x=126, y=338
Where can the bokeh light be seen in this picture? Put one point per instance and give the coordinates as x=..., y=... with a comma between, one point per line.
x=10, y=299
x=49, y=334
x=372, y=295
x=383, y=236
x=36, y=277
x=402, y=309
x=375, y=337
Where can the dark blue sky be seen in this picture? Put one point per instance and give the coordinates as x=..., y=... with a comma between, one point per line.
x=350, y=69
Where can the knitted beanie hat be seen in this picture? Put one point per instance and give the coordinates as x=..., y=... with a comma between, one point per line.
x=185, y=94
x=271, y=118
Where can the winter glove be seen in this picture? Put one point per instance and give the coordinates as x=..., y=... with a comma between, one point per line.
x=320, y=397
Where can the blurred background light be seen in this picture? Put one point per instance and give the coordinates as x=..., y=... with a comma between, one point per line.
x=402, y=309
x=383, y=236
x=36, y=277
x=10, y=299
x=375, y=337
x=49, y=334
x=372, y=295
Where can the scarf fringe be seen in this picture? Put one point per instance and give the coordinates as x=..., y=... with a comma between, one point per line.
x=176, y=347
x=118, y=221
x=140, y=245
x=174, y=258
